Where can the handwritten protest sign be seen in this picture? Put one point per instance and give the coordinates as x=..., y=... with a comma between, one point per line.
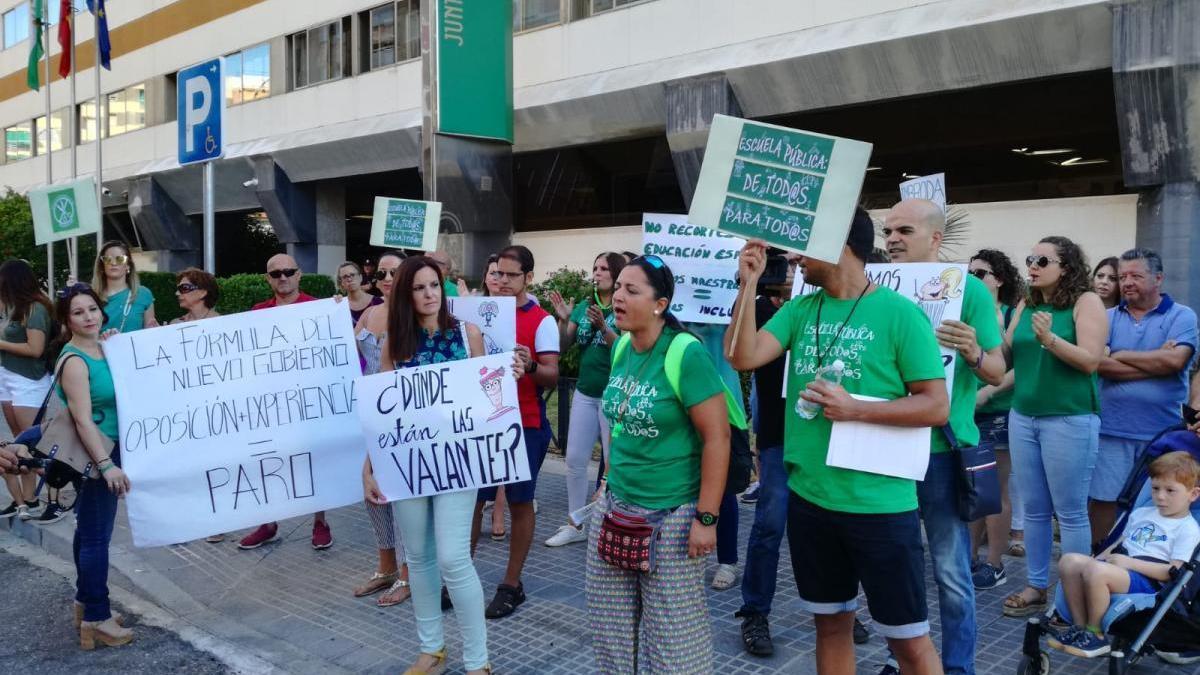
x=405, y=223
x=445, y=427
x=931, y=187
x=704, y=262
x=936, y=287
x=495, y=316
x=235, y=421
x=795, y=189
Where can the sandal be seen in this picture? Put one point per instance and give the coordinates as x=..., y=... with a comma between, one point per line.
x=1018, y=607
x=499, y=536
x=1016, y=548
x=395, y=595
x=507, y=600
x=438, y=667
x=376, y=583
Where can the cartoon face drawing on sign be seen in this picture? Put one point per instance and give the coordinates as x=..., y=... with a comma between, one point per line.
x=488, y=311
x=490, y=381
x=934, y=294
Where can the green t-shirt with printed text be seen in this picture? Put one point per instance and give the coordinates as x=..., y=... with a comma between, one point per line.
x=595, y=353
x=979, y=312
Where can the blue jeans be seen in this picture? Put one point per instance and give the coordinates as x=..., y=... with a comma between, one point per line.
x=95, y=513
x=950, y=548
x=1053, y=460
x=766, y=535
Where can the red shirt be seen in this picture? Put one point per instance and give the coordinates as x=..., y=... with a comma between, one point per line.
x=303, y=297
x=537, y=330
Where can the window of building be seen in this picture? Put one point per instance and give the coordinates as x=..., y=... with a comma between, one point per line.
x=87, y=121
x=55, y=133
x=248, y=75
x=320, y=54
x=381, y=33
x=18, y=142
x=581, y=9
x=17, y=25
x=126, y=110
x=391, y=34
x=54, y=7
x=529, y=14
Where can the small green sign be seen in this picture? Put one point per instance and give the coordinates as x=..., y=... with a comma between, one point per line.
x=794, y=189
x=64, y=216
x=64, y=211
x=475, y=68
x=405, y=223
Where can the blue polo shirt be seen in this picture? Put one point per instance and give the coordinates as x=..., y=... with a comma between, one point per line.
x=1139, y=409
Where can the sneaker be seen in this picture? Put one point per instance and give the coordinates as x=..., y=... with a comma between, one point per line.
x=861, y=635
x=31, y=510
x=988, y=577
x=750, y=496
x=1088, y=645
x=506, y=601
x=756, y=634
x=264, y=534
x=1184, y=658
x=725, y=577
x=1060, y=638
x=11, y=510
x=51, y=514
x=322, y=538
x=567, y=534
x=890, y=667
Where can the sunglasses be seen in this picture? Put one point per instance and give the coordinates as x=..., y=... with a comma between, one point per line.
x=289, y=273
x=1040, y=261
x=114, y=259
x=655, y=261
x=73, y=289
x=186, y=288
x=380, y=275
x=981, y=273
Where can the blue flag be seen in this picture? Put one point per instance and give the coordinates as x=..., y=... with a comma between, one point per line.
x=97, y=7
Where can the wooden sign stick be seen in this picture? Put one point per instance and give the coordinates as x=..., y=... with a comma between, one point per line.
x=737, y=327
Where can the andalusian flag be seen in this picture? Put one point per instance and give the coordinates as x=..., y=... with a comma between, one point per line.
x=35, y=51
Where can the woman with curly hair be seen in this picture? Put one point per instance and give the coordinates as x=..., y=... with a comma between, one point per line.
x=1055, y=343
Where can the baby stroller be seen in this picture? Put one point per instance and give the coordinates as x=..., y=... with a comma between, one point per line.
x=1136, y=624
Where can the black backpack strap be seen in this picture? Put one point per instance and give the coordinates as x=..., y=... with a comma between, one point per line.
x=41, y=413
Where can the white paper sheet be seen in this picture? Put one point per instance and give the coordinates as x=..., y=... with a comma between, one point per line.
x=902, y=452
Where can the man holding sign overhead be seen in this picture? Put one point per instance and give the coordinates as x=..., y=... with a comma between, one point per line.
x=847, y=527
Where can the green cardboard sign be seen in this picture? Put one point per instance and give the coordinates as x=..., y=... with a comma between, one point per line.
x=474, y=68
x=405, y=223
x=64, y=211
x=794, y=189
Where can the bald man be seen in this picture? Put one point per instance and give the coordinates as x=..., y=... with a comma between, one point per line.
x=914, y=230
x=446, y=265
x=283, y=276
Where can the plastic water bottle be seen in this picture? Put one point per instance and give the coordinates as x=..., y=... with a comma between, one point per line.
x=832, y=374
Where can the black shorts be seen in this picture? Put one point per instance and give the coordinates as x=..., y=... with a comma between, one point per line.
x=833, y=552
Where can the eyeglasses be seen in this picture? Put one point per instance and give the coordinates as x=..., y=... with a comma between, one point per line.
x=498, y=274
x=185, y=287
x=289, y=273
x=380, y=275
x=349, y=277
x=981, y=273
x=114, y=259
x=1040, y=261
x=73, y=289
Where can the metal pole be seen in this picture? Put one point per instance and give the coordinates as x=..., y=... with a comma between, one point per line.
x=45, y=29
x=210, y=230
x=73, y=136
x=99, y=144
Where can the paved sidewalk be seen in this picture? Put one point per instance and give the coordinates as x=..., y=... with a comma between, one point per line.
x=293, y=607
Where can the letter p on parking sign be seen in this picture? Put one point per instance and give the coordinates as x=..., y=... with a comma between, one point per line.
x=201, y=113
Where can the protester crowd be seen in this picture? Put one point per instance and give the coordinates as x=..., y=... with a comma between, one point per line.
x=1064, y=371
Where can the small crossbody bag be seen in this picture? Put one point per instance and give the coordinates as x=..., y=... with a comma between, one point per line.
x=629, y=540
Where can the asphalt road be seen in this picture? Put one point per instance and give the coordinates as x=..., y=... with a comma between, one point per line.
x=38, y=637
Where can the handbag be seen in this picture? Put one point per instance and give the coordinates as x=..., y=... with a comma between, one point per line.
x=978, y=481
x=741, y=461
x=70, y=461
x=630, y=541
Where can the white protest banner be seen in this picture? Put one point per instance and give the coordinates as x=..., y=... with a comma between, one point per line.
x=931, y=187
x=794, y=189
x=936, y=287
x=704, y=262
x=235, y=421
x=405, y=223
x=444, y=427
x=496, y=317
x=65, y=210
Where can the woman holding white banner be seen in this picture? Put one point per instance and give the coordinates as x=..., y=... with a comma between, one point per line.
x=436, y=529
x=593, y=325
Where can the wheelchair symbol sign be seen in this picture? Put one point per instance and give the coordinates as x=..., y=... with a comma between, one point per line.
x=201, y=112
x=64, y=216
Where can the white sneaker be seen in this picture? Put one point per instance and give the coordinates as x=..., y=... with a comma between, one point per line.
x=724, y=578
x=567, y=535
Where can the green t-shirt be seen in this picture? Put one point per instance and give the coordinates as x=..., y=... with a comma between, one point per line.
x=103, y=393
x=1002, y=402
x=885, y=344
x=712, y=336
x=1045, y=385
x=595, y=355
x=128, y=316
x=31, y=367
x=978, y=311
x=655, y=458
x=449, y=288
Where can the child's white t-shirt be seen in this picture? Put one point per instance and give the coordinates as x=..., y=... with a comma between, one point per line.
x=1152, y=535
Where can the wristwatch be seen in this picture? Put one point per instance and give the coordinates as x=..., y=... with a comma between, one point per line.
x=533, y=366
x=706, y=518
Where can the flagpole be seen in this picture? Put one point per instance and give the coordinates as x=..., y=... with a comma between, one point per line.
x=73, y=135
x=99, y=138
x=44, y=29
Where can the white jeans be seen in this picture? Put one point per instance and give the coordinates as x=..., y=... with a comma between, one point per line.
x=587, y=422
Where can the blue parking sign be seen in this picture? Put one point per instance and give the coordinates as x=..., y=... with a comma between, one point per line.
x=201, y=119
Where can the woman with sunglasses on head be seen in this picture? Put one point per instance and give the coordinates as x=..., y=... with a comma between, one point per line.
x=1105, y=283
x=128, y=305
x=594, y=326
x=371, y=332
x=86, y=386
x=1004, y=531
x=1055, y=345
x=23, y=377
x=350, y=281
x=437, y=529
x=669, y=457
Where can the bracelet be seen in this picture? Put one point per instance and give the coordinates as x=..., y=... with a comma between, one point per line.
x=105, y=469
x=978, y=361
x=1053, y=340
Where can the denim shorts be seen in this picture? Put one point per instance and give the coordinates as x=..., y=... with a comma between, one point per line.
x=833, y=552
x=993, y=430
x=1114, y=463
x=537, y=442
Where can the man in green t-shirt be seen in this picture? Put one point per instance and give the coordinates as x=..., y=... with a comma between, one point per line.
x=847, y=527
x=913, y=230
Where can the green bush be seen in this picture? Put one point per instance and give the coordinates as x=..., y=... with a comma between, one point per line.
x=162, y=285
x=239, y=292
x=574, y=286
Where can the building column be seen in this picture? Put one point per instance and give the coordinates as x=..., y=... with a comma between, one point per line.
x=474, y=185
x=309, y=219
x=691, y=104
x=1156, y=77
x=163, y=226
